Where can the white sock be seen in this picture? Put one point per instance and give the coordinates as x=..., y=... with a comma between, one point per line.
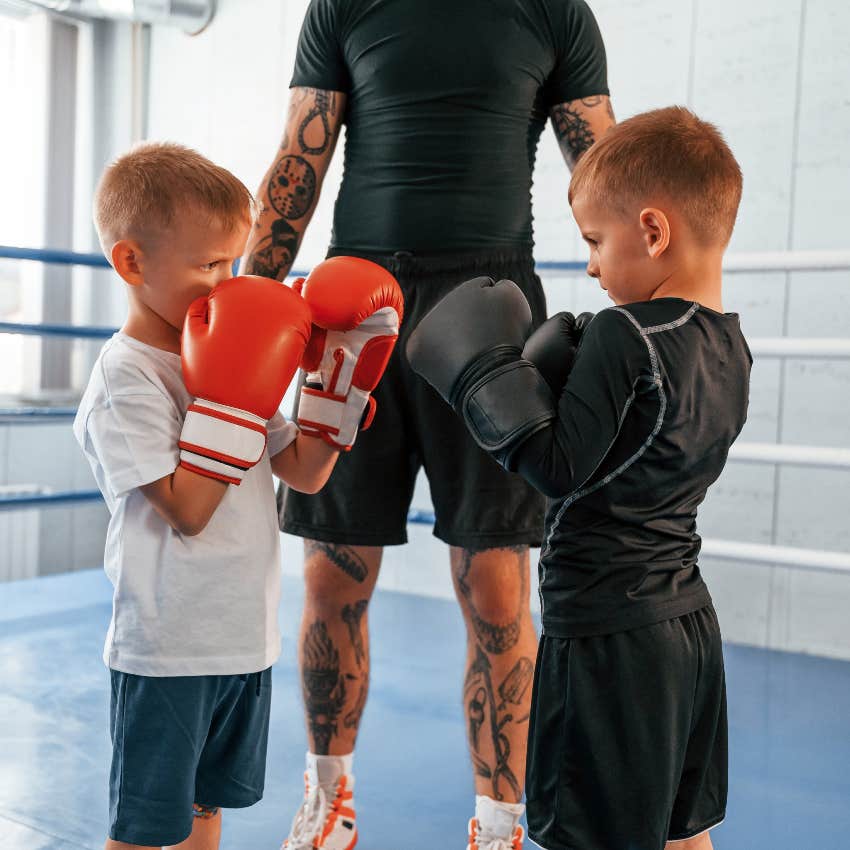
x=326, y=770
x=496, y=818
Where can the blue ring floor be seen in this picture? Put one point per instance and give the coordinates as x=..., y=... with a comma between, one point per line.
x=789, y=723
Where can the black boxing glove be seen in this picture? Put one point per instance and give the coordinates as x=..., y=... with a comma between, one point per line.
x=552, y=347
x=469, y=348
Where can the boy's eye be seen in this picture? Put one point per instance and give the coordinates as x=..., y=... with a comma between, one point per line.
x=208, y=267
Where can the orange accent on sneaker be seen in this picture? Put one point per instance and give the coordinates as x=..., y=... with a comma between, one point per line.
x=338, y=810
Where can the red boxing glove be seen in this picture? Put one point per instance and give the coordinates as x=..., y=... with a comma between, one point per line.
x=357, y=309
x=241, y=346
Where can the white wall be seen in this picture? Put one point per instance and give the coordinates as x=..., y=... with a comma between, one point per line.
x=773, y=75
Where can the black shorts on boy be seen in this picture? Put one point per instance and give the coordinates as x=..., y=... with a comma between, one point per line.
x=597, y=775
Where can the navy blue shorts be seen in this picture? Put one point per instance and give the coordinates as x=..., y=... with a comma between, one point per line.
x=179, y=740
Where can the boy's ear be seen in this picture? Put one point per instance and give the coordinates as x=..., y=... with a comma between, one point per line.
x=656, y=231
x=127, y=260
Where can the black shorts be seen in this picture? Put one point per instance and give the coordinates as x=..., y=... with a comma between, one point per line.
x=627, y=745
x=476, y=502
x=179, y=740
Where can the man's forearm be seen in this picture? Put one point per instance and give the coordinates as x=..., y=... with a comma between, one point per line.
x=287, y=198
x=290, y=188
x=273, y=244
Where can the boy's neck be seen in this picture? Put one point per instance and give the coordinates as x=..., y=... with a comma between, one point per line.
x=148, y=327
x=698, y=278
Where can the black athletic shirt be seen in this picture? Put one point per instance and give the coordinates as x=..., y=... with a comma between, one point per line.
x=446, y=103
x=657, y=394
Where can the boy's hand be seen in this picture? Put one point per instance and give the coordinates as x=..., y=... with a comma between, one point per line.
x=357, y=308
x=552, y=347
x=241, y=346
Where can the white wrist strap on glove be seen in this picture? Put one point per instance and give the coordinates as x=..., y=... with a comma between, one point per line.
x=220, y=441
x=335, y=418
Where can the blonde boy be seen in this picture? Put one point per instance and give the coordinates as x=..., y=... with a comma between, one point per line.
x=192, y=547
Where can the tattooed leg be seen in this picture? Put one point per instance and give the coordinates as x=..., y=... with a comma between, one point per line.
x=492, y=586
x=344, y=558
x=334, y=648
x=351, y=615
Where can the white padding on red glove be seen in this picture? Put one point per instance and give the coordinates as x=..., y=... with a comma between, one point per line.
x=347, y=372
x=336, y=416
x=220, y=441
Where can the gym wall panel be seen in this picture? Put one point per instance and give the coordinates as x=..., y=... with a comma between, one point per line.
x=815, y=624
x=819, y=303
x=821, y=211
x=815, y=407
x=813, y=505
x=745, y=75
x=649, y=51
x=811, y=500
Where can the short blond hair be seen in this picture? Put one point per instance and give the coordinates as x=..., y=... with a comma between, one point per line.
x=669, y=154
x=142, y=191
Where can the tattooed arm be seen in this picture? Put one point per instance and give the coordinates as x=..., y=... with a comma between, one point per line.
x=579, y=123
x=290, y=189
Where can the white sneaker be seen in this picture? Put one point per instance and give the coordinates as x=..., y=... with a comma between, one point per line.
x=324, y=822
x=482, y=840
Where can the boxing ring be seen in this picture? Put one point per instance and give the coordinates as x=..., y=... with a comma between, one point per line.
x=789, y=786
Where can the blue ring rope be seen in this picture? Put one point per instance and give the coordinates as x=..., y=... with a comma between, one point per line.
x=49, y=255
x=81, y=331
x=65, y=497
x=33, y=413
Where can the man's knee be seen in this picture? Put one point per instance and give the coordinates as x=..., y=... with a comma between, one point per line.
x=334, y=572
x=492, y=582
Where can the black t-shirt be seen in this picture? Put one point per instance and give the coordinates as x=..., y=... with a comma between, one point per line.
x=657, y=395
x=446, y=103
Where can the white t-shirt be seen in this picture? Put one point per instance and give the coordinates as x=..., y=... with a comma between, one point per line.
x=183, y=606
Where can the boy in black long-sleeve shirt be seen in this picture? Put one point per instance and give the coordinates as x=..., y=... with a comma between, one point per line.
x=624, y=422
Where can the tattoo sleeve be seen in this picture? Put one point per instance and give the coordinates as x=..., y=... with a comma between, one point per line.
x=572, y=131
x=578, y=124
x=314, y=132
x=290, y=188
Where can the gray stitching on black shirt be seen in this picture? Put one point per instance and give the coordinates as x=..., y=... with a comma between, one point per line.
x=662, y=398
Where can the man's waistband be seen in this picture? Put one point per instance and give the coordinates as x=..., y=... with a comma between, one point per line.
x=483, y=261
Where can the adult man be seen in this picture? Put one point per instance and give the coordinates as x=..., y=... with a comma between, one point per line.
x=444, y=104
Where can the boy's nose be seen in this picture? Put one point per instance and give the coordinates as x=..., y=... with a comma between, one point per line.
x=592, y=269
